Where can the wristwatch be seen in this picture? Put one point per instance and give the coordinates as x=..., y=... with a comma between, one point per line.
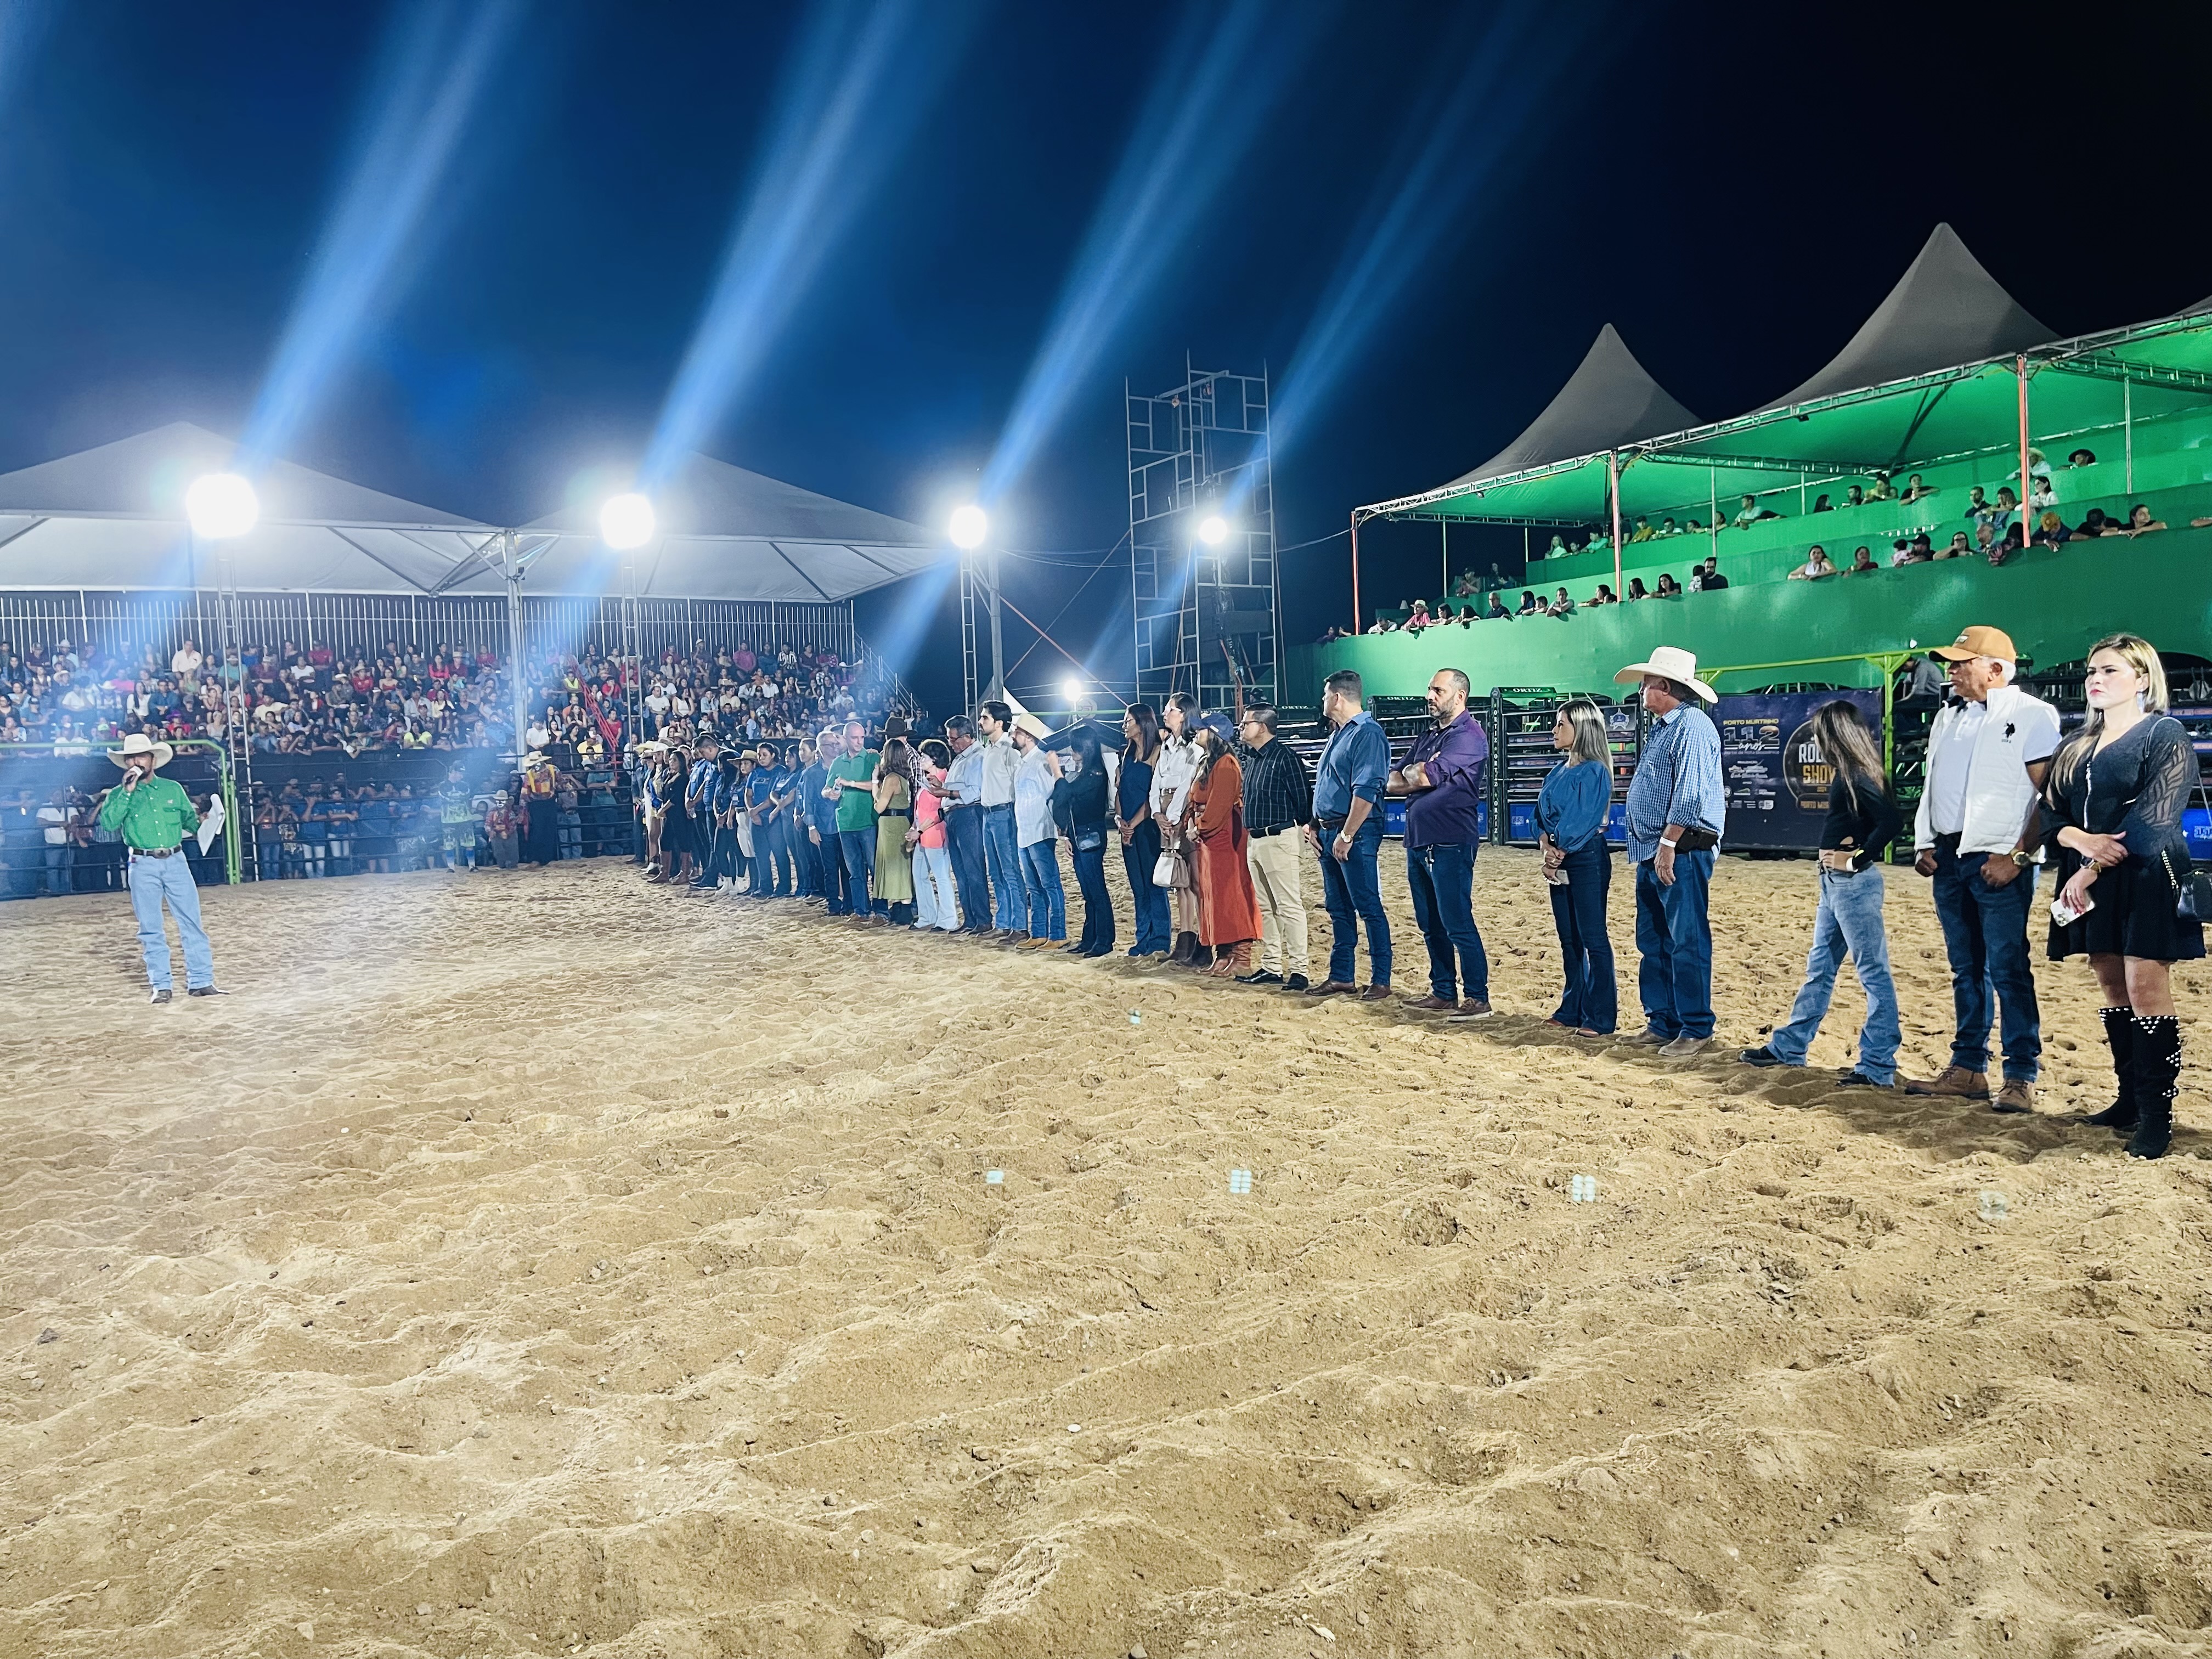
x=2022, y=857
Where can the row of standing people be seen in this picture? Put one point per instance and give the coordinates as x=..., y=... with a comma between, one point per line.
x=2004, y=793
x=1210, y=814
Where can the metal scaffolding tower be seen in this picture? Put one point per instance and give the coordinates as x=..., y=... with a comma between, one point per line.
x=979, y=592
x=1207, y=615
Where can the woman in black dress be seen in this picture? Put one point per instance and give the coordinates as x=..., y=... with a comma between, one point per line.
x=2112, y=805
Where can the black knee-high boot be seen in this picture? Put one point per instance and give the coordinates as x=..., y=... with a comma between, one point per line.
x=2157, y=1071
x=2120, y=1036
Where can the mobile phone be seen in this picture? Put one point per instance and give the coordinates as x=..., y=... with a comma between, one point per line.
x=2065, y=914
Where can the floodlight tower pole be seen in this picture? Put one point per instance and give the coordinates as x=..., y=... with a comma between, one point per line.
x=237, y=782
x=997, y=639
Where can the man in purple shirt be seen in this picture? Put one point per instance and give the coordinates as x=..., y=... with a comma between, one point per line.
x=1444, y=777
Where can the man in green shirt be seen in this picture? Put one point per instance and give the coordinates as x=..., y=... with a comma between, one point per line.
x=851, y=782
x=155, y=815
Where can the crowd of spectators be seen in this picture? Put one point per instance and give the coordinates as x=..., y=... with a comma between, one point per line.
x=567, y=796
x=319, y=699
x=2001, y=530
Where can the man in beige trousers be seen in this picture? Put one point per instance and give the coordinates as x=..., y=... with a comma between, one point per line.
x=1277, y=805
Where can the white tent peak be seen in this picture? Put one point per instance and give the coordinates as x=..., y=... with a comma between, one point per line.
x=1609, y=401
x=145, y=476
x=1947, y=310
x=723, y=533
x=709, y=497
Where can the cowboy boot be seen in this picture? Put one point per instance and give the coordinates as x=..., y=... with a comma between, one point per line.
x=2158, y=1068
x=1186, y=947
x=2120, y=1036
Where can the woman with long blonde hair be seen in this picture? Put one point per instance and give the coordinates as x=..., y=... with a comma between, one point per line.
x=1863, y=820
x=2112, y=803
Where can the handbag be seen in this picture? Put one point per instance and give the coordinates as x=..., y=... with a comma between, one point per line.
x=1170, y=869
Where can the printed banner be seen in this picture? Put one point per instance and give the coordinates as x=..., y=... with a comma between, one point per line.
x=1778, y=778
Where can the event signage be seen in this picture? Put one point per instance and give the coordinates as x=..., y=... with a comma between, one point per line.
x=1778, y=778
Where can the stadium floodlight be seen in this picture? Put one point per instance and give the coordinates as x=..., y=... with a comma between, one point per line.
x=969, y=526
x=626, y=521
x=1071, y=688
x=221, y=505
x=1213, y=530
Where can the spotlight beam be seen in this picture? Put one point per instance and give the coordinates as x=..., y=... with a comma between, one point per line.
x=1482, y=101
x=850, y=103
x=1205, y=118
x=433, y=70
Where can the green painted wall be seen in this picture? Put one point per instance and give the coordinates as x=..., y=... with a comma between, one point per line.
x=2054, y=601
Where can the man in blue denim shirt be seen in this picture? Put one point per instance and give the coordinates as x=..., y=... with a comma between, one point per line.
x=1679, y=790
x=1443, y=778
x=1347, y=832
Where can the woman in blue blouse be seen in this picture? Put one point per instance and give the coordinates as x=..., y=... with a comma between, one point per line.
x=1571, y=822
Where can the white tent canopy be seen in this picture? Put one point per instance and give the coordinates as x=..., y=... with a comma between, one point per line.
x=114, y=518
x=723, y=533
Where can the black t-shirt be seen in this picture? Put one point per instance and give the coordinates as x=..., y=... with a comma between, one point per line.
x=1711, y=582
x=1868, y=828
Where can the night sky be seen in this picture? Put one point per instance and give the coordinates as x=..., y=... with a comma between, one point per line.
x=1734, y=189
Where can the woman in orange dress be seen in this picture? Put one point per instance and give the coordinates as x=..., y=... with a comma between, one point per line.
x=1228, y=908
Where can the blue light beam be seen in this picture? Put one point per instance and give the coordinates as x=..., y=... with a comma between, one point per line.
x=863, y=77
x=1225, y=70
x=429, y=78
x=22, y=24
x=1477, y=113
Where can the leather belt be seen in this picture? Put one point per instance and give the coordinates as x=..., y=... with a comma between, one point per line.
x=155, y=853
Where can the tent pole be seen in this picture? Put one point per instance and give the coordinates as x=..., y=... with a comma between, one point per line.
x=520, y=698
x=1443, y=528
x=1355, y=574
x=2128, y=430
x=1613, y=492
x=2026, y=488
x=1713, y=510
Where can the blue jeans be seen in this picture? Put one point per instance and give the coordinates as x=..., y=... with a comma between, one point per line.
x=857, y=848
x=1003, y=855
x=59, y=879
x=963, y=839
x=1097, y=902
x=1150, y=903
x=773, y=876
x=810, y=860
x=1442, y=879
x=1352, y=891
x=835, y=887
x=1676, y=940
x=1591, y=1001
x=1848, y=923
x=1047, y=900
x=153, y=880
x=1985, y=936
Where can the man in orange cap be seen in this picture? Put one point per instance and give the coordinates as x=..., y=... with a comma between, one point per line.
x=1975, y=835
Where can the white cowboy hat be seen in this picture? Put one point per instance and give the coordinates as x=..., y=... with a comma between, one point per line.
x=1669, y=662
x=1030, y=724
x=139, y=744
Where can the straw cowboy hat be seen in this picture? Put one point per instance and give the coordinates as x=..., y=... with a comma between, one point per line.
x=1030, y=724
x=1669, y=662
x=139, y=744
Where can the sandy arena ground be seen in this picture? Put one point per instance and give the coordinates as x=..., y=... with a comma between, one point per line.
x=548, y=1264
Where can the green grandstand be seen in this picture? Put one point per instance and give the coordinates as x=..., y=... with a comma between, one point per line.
x=1950, y=379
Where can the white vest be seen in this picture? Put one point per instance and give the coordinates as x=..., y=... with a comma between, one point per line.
x=1998, y=790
